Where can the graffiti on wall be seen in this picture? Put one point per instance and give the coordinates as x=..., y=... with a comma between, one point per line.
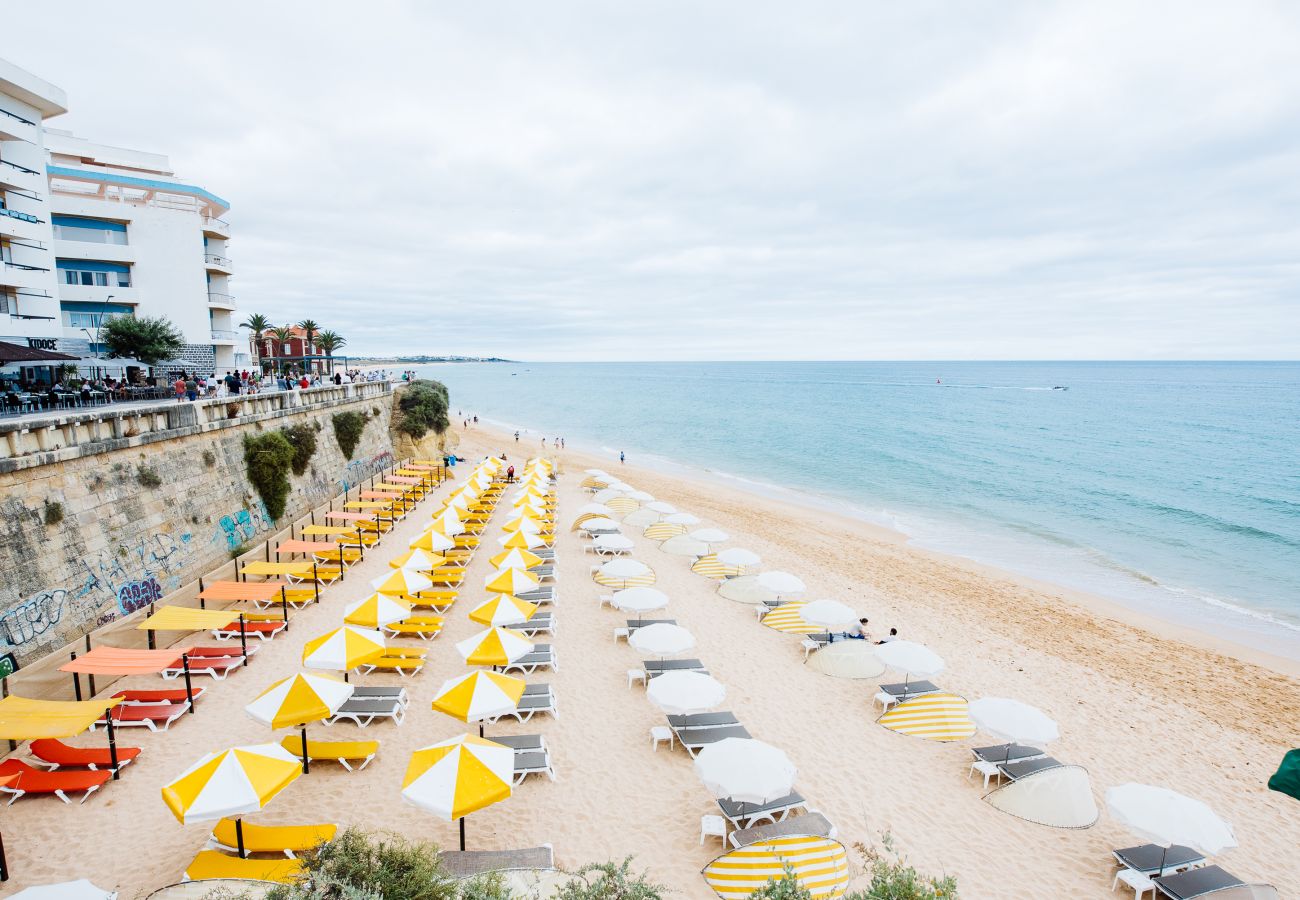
x=33, y=617
x=359, y=470
x=242, y=526
x=8, y=666
x=156, y=558
x=138, y=594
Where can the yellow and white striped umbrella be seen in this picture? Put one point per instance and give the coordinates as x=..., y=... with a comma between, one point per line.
x=343, y=648
x=522, y=540
x=531, y=495
x=595, y=481
x=299, y=699
x=433, y=541
x=449, y=523
x=402, y=581
x=502, y=609
x=510, y=581
x=786, y=618
x=586, y=517
x=622, y=505
x=935, y=717
x=494, y=647
x=453, y=778
x=418, y=559
x=516, y=558
x=479, y=695
x=821, y=866
x=709, y=566
x=624, y=573
x=231, y=782
x=526, y=523
x=662, y=531
x=377, y=610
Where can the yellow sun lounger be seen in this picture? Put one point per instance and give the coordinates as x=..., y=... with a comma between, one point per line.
x=406, y=652
x=345, y=753
x=286, y=839
x=215, y=864
x=402, y=665
x=426, y=628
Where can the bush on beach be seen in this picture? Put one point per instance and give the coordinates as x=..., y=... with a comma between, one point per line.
x=423, y=407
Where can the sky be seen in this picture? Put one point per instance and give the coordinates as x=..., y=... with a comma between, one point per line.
x=728, y=180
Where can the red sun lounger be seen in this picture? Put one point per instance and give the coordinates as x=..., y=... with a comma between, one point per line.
x=54, y=754
x=166, y=695
x=38, y=781
x=217, y=667
x=263, y=630
x=154, y=717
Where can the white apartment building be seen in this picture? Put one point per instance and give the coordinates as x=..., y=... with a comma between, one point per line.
x=101, y=231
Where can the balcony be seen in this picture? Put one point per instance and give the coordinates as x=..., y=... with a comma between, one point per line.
x=117, y=253
x=16, y=275
x=214, y=227
x=24, y=226
x=220, y=301
x=14, y=127
x=98, y=293
x=224, y=337
x=214, y=262
x=13, y=175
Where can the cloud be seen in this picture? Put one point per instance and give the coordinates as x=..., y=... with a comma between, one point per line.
x=580, y=181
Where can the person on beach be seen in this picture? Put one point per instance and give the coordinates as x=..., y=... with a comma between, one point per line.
x=510, y=475
x=621, y=457
x=516, y=437
x=892, y=636
x=858, y=632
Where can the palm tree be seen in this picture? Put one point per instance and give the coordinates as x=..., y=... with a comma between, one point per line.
x=309, y=330
x=329, y=342
x=257, y=323
x=283, y=334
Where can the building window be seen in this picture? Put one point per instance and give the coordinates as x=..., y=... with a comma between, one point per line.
x=96, y=279
x=90, y=231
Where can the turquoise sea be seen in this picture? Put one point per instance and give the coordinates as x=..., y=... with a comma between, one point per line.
x=1173, y=488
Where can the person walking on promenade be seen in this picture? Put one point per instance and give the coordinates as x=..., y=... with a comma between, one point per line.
x=179, y=387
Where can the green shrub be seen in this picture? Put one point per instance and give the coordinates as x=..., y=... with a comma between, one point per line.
x=423, y=407
x=303, y=440
x=147, y=476
x=53, y=512
x=609, y=881
x=347, y=431
x=893, y=879
x=269, y=458
x=361, y=866
x=488, y=886
x=786, y=887
x=209, y=458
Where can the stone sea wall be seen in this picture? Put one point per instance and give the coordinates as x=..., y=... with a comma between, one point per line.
x=99, y=524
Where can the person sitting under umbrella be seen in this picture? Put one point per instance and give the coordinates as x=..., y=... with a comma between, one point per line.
x=892, y=636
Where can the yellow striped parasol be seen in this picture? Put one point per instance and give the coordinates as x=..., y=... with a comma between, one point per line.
x=294, y=701
x=631, y=581
x=820, y=865
x=622, y=505
x=510, y=581
x=343, y=648
x=433, y=541
x=402, y=581
x=594, y=481
x=523, y=540
x=421, y=560
x=786, y=618
x=376, y=611
x=662, y=531
x=516, y=558
x=935, y=717
x=587, y=517
x=494, y=647
x=479, y=695
x=453, y=778
x=231, y=782
x=503, y=609
x=709, y=567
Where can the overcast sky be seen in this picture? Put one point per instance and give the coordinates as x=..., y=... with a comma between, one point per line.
x=725, y=180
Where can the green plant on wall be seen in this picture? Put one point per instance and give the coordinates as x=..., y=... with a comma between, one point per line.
x=303, y=440
x=53, y=512
x=148, y=477
x=423, y=407
x=269, y=459
x=347, y=431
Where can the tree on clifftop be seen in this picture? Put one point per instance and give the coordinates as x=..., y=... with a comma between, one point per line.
x=146, y=338
x=423, y=405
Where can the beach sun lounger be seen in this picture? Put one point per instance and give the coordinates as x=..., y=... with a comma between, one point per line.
x=164, y=695
x=1146, y=858
x=812, y=824
x=363, y=712
x=747, y=815
x=32, y=780
x=542, y=657
x=384, y=692
x=215, y=864
x=1025, y=767
x=702, y=720
x=346, y=753
x=530, y=705
x=216, y=667
x=1196, y=882
x=539, y=596
x=405, y=666
x=696, y=739
x=262, y=630
x=54, y=754
x=654, y=667
x=988, y=759
x=533, y=762
x=634, y=624
x=522, y=743
x=543, y=623
x=155, y=717
x=286, y=839
x=468, y=863
x=426, y=628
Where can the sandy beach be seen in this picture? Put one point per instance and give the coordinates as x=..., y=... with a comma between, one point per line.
x=1132, y=705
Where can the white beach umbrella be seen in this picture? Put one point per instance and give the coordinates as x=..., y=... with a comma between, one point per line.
x=436, y=540
x=639, y=600
x=684, y=545
x=612, y=542
x=81, y=889
x=912, y=658
x=738, y=556
x=709, y=535
x=745, y=770
x=620, y=486
x=783, y=584
x=607, y=494
x=598, y=509
x=510, y=581
x=662, y=639
x=597, y=472
x=685, y=693
x=449, y=523
x=661, y=507
x=682, y=518
x=624, y=568
x=521, y=539
x=829, y=614
x=640, y=496
x=847, y=659
x=600, y=524
x=523, y=523
x=1011, y=721
x=1166, y=817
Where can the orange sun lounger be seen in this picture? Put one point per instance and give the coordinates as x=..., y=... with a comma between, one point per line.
x=32, y=780
x=54, y=753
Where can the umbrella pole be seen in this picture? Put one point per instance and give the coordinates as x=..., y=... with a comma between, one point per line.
x=112, y=744
x=189, y=686
x=306, y=762
x=4, y=864
x=462, y=833
x=1164, y=851
x=239, y=837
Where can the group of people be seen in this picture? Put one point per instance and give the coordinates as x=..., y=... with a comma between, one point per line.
x=557, y=443
x=860, y=632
